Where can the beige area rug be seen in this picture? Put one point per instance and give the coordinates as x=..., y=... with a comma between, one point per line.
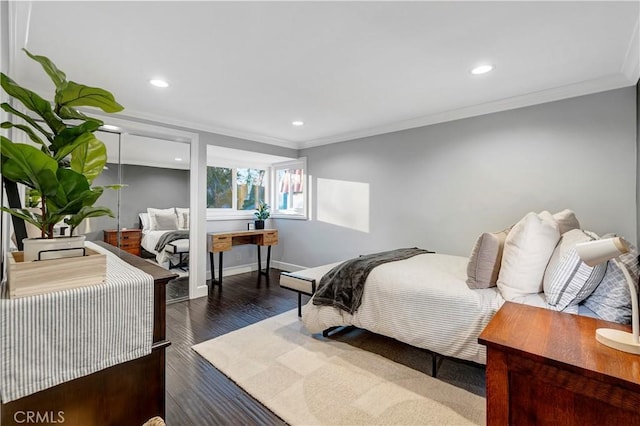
x=310, y=380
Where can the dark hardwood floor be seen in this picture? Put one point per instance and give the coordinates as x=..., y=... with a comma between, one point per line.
x=198, y=394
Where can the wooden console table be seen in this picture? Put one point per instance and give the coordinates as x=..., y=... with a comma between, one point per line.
x=546, y=367
x=219, y=242
x=124, y=394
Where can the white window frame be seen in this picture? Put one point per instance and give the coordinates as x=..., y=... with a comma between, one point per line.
x=233, y=213
x=300, y=163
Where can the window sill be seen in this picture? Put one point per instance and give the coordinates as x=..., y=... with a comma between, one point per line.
x=229, y=217
x=289, y=216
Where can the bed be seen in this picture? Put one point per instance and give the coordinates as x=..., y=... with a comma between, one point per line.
x=442, y=302
x=165, y=236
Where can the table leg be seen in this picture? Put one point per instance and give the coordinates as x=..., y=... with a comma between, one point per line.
x=213, y=269
x=211, y=263
x=259, y=260
x=220, y=269
x=260, y=270
x=268, y=258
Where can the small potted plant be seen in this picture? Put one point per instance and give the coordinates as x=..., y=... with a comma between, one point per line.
x=261, y=214
x=63, y=158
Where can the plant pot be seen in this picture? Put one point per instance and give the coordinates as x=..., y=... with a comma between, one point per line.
x=53, y=248
x=259, y=224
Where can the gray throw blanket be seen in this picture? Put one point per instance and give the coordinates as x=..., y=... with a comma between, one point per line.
x=170, y=236
x=343, y=285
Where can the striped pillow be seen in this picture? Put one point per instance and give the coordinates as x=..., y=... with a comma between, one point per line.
x=572, y=281
x=611, y=300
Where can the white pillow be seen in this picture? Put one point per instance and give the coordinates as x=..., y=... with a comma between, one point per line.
x=526, y=253
x=183, y=218
x=567, y=221
x=162, y=219
x=568, y=280
x=145, y=222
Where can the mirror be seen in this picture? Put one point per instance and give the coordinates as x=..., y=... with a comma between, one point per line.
x=152, y=209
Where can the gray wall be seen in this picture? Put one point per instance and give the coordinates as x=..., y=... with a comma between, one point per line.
x=440, y=186
x=146, y=187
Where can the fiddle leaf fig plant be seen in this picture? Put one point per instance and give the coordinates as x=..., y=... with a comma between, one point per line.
x=65, y=156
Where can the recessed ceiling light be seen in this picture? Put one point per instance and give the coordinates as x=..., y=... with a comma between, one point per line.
x=482, y=69
x=159, y=83
x=110, y=127
x=178, y=159
x=297, y=123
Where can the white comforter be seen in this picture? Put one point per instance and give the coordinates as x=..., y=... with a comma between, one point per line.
x=423, y=301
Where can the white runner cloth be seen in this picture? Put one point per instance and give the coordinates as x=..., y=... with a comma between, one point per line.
x=52, y=338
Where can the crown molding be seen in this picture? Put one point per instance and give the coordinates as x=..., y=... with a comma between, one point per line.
x=610, y=82
x=193, y=125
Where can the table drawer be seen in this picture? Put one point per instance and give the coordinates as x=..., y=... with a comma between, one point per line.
x=270, y=238
x=221, y=243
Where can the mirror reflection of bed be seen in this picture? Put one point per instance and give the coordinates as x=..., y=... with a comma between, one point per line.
x=155, y=173
x=165, y=241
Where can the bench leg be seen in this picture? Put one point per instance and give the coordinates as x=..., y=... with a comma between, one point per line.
x=299, y=304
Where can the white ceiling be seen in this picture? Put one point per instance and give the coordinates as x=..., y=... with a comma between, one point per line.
x=347, y=69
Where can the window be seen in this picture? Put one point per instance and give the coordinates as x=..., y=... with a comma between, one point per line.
x=234, y=191
x=250, y=185
x=219, y=187
x=290, y=180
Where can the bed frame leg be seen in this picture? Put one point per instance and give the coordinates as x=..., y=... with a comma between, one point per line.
x=327, y=332
x=434, y=364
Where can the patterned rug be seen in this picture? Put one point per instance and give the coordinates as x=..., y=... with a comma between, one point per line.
x=311, y=380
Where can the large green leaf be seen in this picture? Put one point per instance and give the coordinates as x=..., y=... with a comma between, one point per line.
x=68, y=113
x=26, y=215
x=28, y=130
x=70, y=192
x=27, y=165
x=69, y=135
x=86, y=212
x=33, y=102
x=58, y=77
x=73, y=94
x=8, y=108
x=90, y=157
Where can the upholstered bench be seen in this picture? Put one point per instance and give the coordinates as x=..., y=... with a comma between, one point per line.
x=181, y=248
x=304, y=281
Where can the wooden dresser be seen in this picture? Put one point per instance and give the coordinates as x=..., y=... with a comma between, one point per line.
x=124, y=394
x=546, y=367
x=126, y=239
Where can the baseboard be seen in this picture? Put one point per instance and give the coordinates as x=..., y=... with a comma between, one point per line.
x=288, y=267
x=237, y=269
x=250, y=267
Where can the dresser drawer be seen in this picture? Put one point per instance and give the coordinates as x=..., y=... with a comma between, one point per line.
x=129, y=238
x=126, y=239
